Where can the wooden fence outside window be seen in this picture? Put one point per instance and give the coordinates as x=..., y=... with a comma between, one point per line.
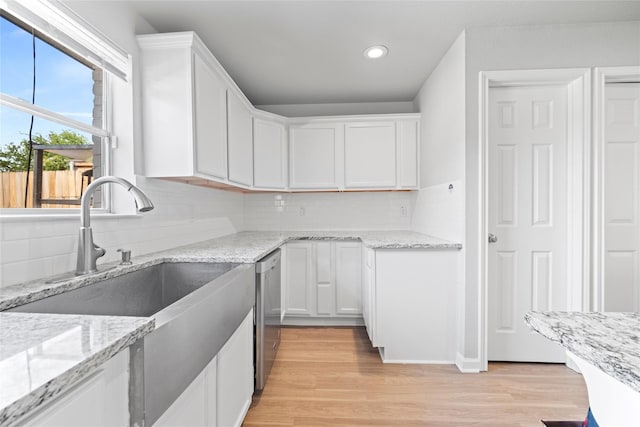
x=65, y=184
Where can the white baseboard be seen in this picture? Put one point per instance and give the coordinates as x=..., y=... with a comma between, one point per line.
x=391, y=360
x=243, y=414
x=467, y=365
x=418, y=362
x=322, y=321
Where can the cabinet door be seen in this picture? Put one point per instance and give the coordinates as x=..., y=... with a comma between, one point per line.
x=99, y=400
x=240, y=141
x=409, y=153
x=370, y=155
x=324, y=256
x=368, y=293
x=196, y=406
x=210, y=118
x=315, y=156
x=298, y=279
x=270, y=155
x=348, y=278
x=235, y=376
x=189, y=409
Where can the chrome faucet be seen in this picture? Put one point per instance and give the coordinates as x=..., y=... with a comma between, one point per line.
x=89, y=252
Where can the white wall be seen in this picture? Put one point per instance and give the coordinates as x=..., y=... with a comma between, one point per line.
x=509, y=48
x=441, y=101
x=329, y=211
x=439, y=210
x=33, y=248
x=309, y=110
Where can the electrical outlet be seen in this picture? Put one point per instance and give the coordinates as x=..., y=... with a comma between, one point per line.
x=302, y=211
x=403, y=211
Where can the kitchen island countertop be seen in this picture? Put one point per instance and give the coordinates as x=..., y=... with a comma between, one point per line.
x=609, y=341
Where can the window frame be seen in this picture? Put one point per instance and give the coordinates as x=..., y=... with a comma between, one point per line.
x=55, y=23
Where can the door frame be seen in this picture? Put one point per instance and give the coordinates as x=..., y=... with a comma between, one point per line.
x=602, y=76
x=578, y=82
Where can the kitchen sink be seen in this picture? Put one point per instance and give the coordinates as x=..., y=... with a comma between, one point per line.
x=196, y=306
x=140, y=293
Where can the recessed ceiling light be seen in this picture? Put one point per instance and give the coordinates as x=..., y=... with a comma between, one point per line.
x=375, y=52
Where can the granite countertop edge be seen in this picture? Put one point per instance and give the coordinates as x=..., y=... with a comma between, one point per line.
x=607, y=353
x=234, y=248
x=60, y=383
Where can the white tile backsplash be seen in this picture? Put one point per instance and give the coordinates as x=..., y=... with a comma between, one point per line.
x=325, y=211
x=35, y=248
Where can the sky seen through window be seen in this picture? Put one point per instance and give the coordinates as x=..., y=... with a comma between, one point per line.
x=63, y=84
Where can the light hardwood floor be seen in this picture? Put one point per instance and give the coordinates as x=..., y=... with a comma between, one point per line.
x=333, y=377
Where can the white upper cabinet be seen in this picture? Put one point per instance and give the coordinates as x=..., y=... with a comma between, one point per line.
x=408, y=155
x=199, y=128
x=184, y=117
x=269, y=154
x=315, y=156
x=370, y=155
x=354, y=153
x=210, y=117
x=240, y=140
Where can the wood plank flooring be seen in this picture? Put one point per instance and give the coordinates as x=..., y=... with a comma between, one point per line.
x=333, y=377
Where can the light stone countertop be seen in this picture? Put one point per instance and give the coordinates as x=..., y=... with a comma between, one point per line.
x=21, y=332
x=246, y=247
x=609, y=341
x=42, y=355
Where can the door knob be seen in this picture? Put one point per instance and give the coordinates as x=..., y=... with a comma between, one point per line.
x=493, y=238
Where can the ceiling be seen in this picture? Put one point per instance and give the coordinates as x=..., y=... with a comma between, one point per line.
x=311, y=52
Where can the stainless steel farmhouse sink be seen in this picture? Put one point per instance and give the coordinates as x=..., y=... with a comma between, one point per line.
x=196, y=306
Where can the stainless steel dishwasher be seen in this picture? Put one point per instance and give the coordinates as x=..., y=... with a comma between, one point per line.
x=267, y=324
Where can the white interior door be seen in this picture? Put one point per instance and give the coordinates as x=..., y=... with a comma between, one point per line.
x=527, y=265
x=621, y=184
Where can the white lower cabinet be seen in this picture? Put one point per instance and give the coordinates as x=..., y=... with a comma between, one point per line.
x=196, y=406
x=348, y=256
x=409, y=303
x=235, y=376
x=322, y=283
x=221, y=394
x=102, y=399
x=297, y=277
x=368, y=293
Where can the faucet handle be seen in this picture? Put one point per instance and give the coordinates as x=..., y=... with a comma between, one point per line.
x=126, y=256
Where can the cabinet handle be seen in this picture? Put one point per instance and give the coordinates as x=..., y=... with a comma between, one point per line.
x=493, y=238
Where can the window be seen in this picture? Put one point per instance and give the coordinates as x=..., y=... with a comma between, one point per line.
x=54, y=92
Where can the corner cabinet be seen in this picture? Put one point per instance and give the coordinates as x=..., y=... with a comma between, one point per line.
x=322, y=283
x=184, y=108
x=199, y=128
x=270, y=154
x=315, y=154
x=240, y=141
x=355, y=153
